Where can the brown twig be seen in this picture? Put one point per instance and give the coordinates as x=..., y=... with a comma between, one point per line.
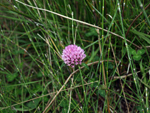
x=125, y=76
x=79, y=21
x=47, y=95
x=67, y=82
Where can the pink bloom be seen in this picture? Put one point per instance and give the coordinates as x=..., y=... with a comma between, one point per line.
x=73, y=55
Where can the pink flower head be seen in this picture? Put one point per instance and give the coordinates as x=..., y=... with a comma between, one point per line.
x=73, y=55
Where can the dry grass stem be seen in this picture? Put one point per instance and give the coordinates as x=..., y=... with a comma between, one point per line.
x=79, y=21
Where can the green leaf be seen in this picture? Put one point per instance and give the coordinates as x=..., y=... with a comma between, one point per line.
x=64, y=103
x=137, y=57
x=7, y=110
x=140, y=109
x=64, y=110
x=39, y=75
x=132, y=51
x=101, y=92
x=62, y=65
x=141, y=52
x=34, y=104
x=110, y=65
x=94, y=85
x=103, y=87
x=18, y=52
x=38, y=88
x=142, y=35
x=92, y=32
x=85, y=65
x=78, y=78
x=46, y=99
x=124, y=50
x=142, y=68
x=11, y=77
x=10, y=88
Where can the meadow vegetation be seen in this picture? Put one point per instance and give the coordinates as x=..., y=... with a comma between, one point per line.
x=114, y=77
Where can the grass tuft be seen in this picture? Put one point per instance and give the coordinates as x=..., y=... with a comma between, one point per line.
x=114, y=76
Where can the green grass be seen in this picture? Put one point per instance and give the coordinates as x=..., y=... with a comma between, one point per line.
x=114, y=76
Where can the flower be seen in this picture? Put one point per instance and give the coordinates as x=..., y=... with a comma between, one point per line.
x=73, y=55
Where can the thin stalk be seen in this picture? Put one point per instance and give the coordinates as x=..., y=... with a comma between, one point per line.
x=84, y=92
x=104, y=77
x=136, y=19
x=141, y=5
x=72, y=25
x=127, y=47
x=70, y=95
x=74, y=41
x=146, y=91
x=67, y=82
x=79, y=21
